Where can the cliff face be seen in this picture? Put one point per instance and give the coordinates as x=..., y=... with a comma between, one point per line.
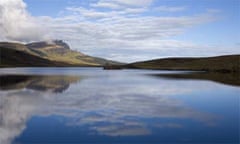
x=44, y=44
x=56, y=46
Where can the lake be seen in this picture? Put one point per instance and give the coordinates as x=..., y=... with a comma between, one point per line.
x=91, y=105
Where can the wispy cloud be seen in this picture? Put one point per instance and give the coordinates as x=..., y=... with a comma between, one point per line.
x=169, y=9
x=126, y=29
x=120, y=4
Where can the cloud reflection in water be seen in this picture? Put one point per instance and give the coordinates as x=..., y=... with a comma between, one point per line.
x=108, y=107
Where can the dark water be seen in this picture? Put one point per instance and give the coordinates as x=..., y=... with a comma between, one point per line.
x=89, y=105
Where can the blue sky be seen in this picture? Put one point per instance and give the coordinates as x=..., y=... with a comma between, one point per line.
x=128, y=30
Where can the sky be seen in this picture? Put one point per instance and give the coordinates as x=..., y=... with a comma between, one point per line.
x=127, y=30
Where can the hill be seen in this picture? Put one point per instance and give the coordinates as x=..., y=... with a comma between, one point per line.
x=51, y=53
x=57, y=50
x=227, y=63
x=18, y=58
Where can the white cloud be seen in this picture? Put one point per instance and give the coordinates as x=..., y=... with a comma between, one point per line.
x=16, y=23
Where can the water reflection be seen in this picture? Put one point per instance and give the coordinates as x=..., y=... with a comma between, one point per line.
x=224, y=78
x=37, y=82
x=108, y=106
x=18, y=103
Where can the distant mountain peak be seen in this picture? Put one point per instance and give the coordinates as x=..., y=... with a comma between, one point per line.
x=61, y=43
x=50, y=43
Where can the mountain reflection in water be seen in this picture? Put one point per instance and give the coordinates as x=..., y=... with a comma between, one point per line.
x=37, y=82
x=18, y=105
x=224, y=78
x=113, y=105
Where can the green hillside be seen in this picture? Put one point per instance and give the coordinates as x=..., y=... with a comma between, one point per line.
x=17, y=58
x=58, y=50
x=54, y=53
x=228, y=63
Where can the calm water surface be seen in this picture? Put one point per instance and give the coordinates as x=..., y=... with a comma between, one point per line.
x=90, y=105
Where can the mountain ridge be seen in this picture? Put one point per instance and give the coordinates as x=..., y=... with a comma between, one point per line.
x=45, y=53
